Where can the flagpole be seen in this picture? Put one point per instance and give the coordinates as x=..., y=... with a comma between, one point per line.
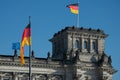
x=78, y=15
x=30, y=72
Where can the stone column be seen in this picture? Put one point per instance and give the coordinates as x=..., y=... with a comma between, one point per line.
x=100, y=45
x=82, y=44
x=90, y=45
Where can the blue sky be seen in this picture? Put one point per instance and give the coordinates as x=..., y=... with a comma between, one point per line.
x=50, y=16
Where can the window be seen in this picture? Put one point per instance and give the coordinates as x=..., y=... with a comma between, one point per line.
x=85, y=44
x=93, y=45
x=76, y=44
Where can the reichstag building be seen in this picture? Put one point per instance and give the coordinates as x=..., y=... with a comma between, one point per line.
x=77, y=54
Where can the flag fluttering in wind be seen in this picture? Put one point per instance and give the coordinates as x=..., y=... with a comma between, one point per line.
x=74, y=8
x=26, y=40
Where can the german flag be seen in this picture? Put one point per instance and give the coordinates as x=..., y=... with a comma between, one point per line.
x=26, y=40
x=73, y=8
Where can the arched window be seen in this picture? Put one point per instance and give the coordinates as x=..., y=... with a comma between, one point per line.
x=76, y=44
x=85, y=44
x=93, y=45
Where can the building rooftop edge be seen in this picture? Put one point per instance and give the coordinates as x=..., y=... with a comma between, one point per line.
x=81, y=29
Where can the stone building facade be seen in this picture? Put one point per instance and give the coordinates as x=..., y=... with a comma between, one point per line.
x=77, y=54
